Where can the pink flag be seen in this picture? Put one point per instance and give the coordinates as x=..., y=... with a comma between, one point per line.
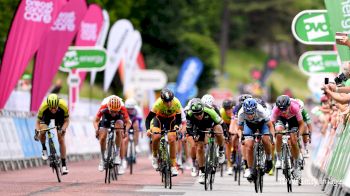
x=29, y=27
x=54, y=47
x=90, y=29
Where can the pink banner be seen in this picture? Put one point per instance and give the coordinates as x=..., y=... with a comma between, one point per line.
x=30, y=25
x=54, y=47
x=90, y=29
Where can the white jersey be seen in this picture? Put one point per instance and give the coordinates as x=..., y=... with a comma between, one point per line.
x=261, y=115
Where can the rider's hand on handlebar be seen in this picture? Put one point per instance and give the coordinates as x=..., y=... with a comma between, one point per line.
x=36, y=135
x=149, y=133
x=97, y=133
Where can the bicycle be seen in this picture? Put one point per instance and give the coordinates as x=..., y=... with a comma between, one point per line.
x=211, y=160
x=131, y=153
x=236, y=159
x=164, y=159
x=259, y=160
x=110, y=168
x=55, y=162
x=286, y=158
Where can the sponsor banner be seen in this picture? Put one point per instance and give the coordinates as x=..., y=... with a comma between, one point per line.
x=54, y=47
x=90, y=28
x=29, y=26
x=189, y=73
x=315, y=62
x=101, y=40
x=24, y=137
x=84, y=59
x=116, y=46
x=10, y=135
x=313, y=27
x=339, y=17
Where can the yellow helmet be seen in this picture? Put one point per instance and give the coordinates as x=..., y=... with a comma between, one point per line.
x=52, y=101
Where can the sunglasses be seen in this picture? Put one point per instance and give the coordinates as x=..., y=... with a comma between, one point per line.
x=198, y=114
x=113, y=112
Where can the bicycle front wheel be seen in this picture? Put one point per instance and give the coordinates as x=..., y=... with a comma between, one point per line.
x=57, y=172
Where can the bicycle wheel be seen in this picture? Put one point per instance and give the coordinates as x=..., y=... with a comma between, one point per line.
x=108, y=162
x=207, y=170
x=287, y=166
x=257, y=180
x=239, y=167
x=55, y=166
x=221, y=170
x=168, y=167
x=261, y=180
x=131, y=155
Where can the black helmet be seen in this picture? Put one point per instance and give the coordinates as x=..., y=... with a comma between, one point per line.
x=197, y=107
x=282, y=102
x=244, y=97
x=166, y=95
x=227, y=104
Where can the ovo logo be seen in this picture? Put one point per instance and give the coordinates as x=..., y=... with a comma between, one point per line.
x=316, y=27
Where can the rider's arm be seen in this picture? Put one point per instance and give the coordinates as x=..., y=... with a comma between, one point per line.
x=149, y=117
x=271, y=127
x=65, y=124
x=126, y=118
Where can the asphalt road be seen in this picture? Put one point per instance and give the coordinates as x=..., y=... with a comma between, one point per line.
x=84, y=179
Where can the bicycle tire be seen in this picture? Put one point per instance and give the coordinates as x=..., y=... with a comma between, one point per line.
x=239, y=166
x=57, y=173
x=239, y=176
x=261, y=180
x=131, y=156
x=287, y=167
x=206, y=171
x=108, y=162
x=168, y=166
x=256, y=181
x=221, y=170
x=255, y=167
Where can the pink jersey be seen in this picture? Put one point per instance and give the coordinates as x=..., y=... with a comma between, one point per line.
x=293, y=110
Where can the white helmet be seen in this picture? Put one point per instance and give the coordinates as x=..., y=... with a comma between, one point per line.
x=208, y=99
x=130, y=103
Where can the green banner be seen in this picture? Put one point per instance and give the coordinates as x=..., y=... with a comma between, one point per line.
x=313, y=27
x=84, y=59
x=339, y=16
x=315, y=62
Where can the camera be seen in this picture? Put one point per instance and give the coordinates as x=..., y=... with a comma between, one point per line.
x=340, y=78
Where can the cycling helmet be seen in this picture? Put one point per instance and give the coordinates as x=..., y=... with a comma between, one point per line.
x=197, y=107
x=244, y=97
x=227, y=104
x=249, y=106
x=282, y=102
x=52, y=101
x=114, y=104
x=130, y=103
x=166, y=95
x=208, y=99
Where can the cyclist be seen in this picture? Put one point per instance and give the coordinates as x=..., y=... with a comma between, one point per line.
x=200, y=118
x=112, y=111
x=251, y=119
x=53, y=108
x=166, y=112
x=308, y=130
x=190, y=139
x=226, y=112
x=288, y=111
x=233, y=126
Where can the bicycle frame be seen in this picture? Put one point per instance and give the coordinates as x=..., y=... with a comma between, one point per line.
x=211, y=160
x=111, y=169
x=55, y=162
x=164, y=157
x=131, y=154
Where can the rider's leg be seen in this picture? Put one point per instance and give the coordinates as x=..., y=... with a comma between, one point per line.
x=192, y=146
x=62, y=148
x=229, y=150
x=136, y=127
x=102, y=137
x=294, y=146
x=279, y=127
x=219, y=136
x=42, y=136
x=249, y=143
x=172, y=146
x=119, y=128
x=200, y=155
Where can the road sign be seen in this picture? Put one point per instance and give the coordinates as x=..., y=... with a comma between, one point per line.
x=315, y=62
x=149, y=79
x=73, y=80
x=313, y=27
x=84, y=59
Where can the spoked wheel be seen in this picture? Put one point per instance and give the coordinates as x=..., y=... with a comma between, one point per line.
x=165, y=174
x=239, y=174
x=211, y=180
x=130, y=164
x=169, y=178
x=235, y=169
x=115, y=172
x=276, y=173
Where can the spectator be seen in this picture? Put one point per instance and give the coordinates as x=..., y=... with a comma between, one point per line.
x=57, y=87
x=25, y=84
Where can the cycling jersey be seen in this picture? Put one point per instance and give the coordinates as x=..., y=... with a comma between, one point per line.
x=259, y=121
x=225, y=117
x=45, y=115
x=105, y=114
x=162, y=110
x=209, y=120
x=292, y=111
x=306, y=116
x=261, y=116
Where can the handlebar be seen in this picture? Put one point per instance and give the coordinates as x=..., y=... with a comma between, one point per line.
x=47, y=129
